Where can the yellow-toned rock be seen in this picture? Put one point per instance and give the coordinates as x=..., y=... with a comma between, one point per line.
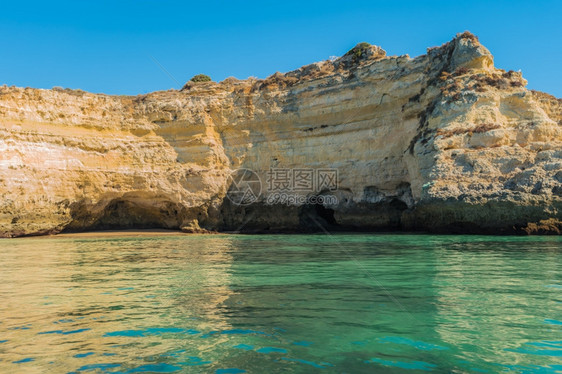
x=441, y=142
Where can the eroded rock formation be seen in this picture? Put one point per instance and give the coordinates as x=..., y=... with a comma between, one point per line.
x=442, y=142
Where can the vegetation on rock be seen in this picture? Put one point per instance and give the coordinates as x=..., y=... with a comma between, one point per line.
x=359, y=51
x=200, y=78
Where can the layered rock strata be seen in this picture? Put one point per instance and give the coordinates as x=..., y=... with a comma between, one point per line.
x=444, y=142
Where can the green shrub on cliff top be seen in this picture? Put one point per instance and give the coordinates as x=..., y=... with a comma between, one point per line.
x=200, y=78
x=358, y=51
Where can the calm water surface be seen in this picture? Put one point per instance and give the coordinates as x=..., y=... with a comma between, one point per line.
x=281, y=304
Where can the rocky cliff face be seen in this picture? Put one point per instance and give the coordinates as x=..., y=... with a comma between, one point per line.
x=441, y=142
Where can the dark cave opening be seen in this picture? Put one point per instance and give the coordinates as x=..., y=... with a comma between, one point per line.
x=326, y=214
x=126, y=213
x=121, y=214
x=397, y=205
x=316, y=217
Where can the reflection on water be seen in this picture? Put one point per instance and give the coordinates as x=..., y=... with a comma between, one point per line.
x=266, y=304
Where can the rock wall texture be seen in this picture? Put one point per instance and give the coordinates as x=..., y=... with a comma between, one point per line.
x=444, y=142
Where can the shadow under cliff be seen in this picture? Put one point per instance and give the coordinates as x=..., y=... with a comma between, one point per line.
x=143, y=210
x=128, y=211
x=281, y=218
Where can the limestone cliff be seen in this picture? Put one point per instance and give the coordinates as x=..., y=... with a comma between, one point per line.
x=441, y=142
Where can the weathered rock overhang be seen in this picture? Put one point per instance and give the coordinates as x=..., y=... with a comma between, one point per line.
x=444, y=142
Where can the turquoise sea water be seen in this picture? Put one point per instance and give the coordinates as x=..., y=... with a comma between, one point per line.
x=364, y=303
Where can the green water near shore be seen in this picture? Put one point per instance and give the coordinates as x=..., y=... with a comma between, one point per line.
x=364, y=303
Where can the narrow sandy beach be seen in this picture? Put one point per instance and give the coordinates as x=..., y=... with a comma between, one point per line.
x=118, y=233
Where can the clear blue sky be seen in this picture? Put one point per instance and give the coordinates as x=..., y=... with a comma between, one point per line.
x=106, y=45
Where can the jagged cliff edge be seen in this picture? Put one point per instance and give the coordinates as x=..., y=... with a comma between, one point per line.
x=443, y=142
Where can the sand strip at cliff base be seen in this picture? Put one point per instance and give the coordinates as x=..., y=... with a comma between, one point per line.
x=120, y=233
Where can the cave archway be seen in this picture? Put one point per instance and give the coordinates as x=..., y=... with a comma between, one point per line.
x=316, y=217
x=326, y=214
x=123, y=213
x=129, y=211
